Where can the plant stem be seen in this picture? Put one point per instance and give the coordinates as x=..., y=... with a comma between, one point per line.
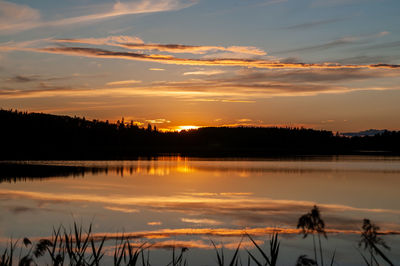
x=320, y=250
x=315, y=249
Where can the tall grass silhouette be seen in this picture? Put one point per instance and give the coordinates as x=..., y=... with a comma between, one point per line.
x=312, y=223
x=78, y=247
x=370, y=241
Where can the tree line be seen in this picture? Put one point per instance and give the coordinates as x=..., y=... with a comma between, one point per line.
x=26, y=135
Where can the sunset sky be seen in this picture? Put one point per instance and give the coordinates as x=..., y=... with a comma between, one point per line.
x=324, y=64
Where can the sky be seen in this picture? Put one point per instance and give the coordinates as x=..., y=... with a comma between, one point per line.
x=323, y=64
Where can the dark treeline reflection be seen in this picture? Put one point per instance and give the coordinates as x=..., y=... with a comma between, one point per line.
x=44, y=136
x=29, y=171
x=15, y=172
x=32, y=171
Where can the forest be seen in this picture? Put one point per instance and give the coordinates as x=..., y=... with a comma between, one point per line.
x=26, y=135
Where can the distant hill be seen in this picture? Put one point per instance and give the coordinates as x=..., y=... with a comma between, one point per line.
x=369, y=132
x=43, y=136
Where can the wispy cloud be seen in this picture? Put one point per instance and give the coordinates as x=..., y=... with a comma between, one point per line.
x=312, y=24
x=129, y=8
x=24, y=78
x=200, y=221
x=123, y=82
x=154, y=223
x=138, y=44
x=204, y=72
x=15, y=17
x=386, y=45
x=272, y=2
x=239, y=89
x=244, y=120
x=327, y=3
x=168, y=59
x=120, y=209
x=336, y=43
x=158, y=121
x=21, y=17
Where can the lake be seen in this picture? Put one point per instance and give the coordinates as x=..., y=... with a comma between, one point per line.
x=187, y=202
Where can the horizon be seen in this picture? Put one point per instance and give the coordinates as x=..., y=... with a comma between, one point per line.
x=323, y=64
x=189, y=127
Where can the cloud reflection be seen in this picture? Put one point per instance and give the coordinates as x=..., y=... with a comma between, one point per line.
x=234, y=210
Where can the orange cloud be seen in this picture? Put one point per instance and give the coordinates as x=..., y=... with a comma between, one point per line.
x=204, y=72
x=123, y=82
x=200, y=221
x=120, y=209
x=166, y=59
x=154, y=223
x=138, y=44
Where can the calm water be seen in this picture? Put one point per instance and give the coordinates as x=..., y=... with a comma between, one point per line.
x=176, y=201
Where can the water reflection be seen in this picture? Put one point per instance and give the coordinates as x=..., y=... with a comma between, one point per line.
x=15, y=171
x=188, y=201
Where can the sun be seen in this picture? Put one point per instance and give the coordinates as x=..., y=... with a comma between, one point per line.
x=180, y=128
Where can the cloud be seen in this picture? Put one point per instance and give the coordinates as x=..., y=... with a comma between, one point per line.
x=332, y=44
x=323, y=3
x=20, y=209
x=256, y=78
x=138, y=44
x=110, y=40
x=22, y=79
x=180, y=48
x=158, y=121
x=123, y=82
x=214, y=194
x=204, y=72
x=168, y=59
x=243, y=120
x=46, y=79
x=209, y=60
x=336, y=43
x=386, y=45
x=156, y=69
x=20, y=17
x=15, y=17
x=312, y=24
x=313, y=75
x=120, y=209
x=240, y=89
x=365, y=59
x=126, y=8
x=272, y=2
x=154, y=223
x=200, y=221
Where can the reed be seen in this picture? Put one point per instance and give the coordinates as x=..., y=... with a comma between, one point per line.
x=234, y=261
x=79, y=247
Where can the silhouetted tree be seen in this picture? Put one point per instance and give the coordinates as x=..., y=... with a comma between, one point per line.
x=42, y=136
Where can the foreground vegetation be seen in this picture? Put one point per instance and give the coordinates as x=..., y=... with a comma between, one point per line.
x=43, y=136
x=78, y=248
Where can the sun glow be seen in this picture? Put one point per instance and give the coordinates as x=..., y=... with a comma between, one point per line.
x=180, y=128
